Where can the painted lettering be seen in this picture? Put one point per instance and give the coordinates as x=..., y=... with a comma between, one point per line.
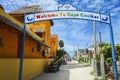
x=72, y=14
x=81, y=14
x=38, y=16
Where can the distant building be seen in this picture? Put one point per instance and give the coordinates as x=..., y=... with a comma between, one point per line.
x=54, y=44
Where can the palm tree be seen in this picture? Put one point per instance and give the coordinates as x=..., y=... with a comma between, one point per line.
x=61, y=43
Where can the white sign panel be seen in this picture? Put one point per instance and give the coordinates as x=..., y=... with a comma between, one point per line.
x=105, y=18
x=66, y=15
x=29, y=18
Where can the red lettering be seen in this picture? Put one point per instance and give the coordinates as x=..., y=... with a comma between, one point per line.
x=45, y=16
x=49, y=16
x=53, y=15
x=38, y=16
x=42, y=16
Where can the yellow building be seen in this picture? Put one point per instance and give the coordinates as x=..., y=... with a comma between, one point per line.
x=11, y=37
x=54, y=44
x=42, y=29
x=10, y=48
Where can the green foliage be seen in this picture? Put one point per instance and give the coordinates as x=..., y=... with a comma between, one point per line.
x=61, y=43
x=117, y=48
x=60, y=53
x=81, y=59
x=101, y=79
x=96, y=79
x=106, y=50
x=98, y=57
x=109, y=61
x=118, y=58
x=92, y=73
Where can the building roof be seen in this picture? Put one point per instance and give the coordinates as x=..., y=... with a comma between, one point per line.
x=8, y=19
x=54, y=35
x=1, y=7
x=27, y=9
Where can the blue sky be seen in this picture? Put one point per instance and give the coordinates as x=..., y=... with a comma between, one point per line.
x=76, y=32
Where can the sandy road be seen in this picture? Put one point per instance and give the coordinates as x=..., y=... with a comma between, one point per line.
x=71, y=71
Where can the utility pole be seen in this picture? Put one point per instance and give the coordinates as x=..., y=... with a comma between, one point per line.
x=95, y=37
x=78, y=52
x=102, y=58
x=95, y=61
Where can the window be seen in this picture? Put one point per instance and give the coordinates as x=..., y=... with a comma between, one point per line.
x=52, y=53
x=39, y=48
x=43, y=52
x=40, y=35
x=32, y=49
x=1, y=42
x=48, y=50
x=46, y=37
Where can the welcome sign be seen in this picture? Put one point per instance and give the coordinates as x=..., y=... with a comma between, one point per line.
x=67, y=11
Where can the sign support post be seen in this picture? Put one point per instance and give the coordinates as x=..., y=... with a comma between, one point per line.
x=113, y=50
x=22, y=50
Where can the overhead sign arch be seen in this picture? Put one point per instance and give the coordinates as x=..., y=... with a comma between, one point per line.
x=68, y=11
x=66, y=14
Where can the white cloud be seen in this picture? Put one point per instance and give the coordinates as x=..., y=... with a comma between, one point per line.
x=84, y=1
x=48, y=5
x=111, y=7
x=14, y=4
x=114, y=13
x=91, y=6
x=115, y=10
x=75, y=3
x=69, y=47
x=98, y=1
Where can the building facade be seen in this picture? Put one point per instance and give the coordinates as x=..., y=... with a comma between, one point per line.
x=37, y=43
x=11, y=39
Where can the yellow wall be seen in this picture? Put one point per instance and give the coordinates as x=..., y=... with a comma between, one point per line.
x=9, y=68
x=45, y=25
x=10, y=41
x=29, y=44
x=12, y=44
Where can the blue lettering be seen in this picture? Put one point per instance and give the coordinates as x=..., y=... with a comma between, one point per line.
x=105, y=19
x=29, y=19
x=81, y=15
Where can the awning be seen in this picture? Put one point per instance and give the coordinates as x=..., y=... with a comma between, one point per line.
x=39, y=30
